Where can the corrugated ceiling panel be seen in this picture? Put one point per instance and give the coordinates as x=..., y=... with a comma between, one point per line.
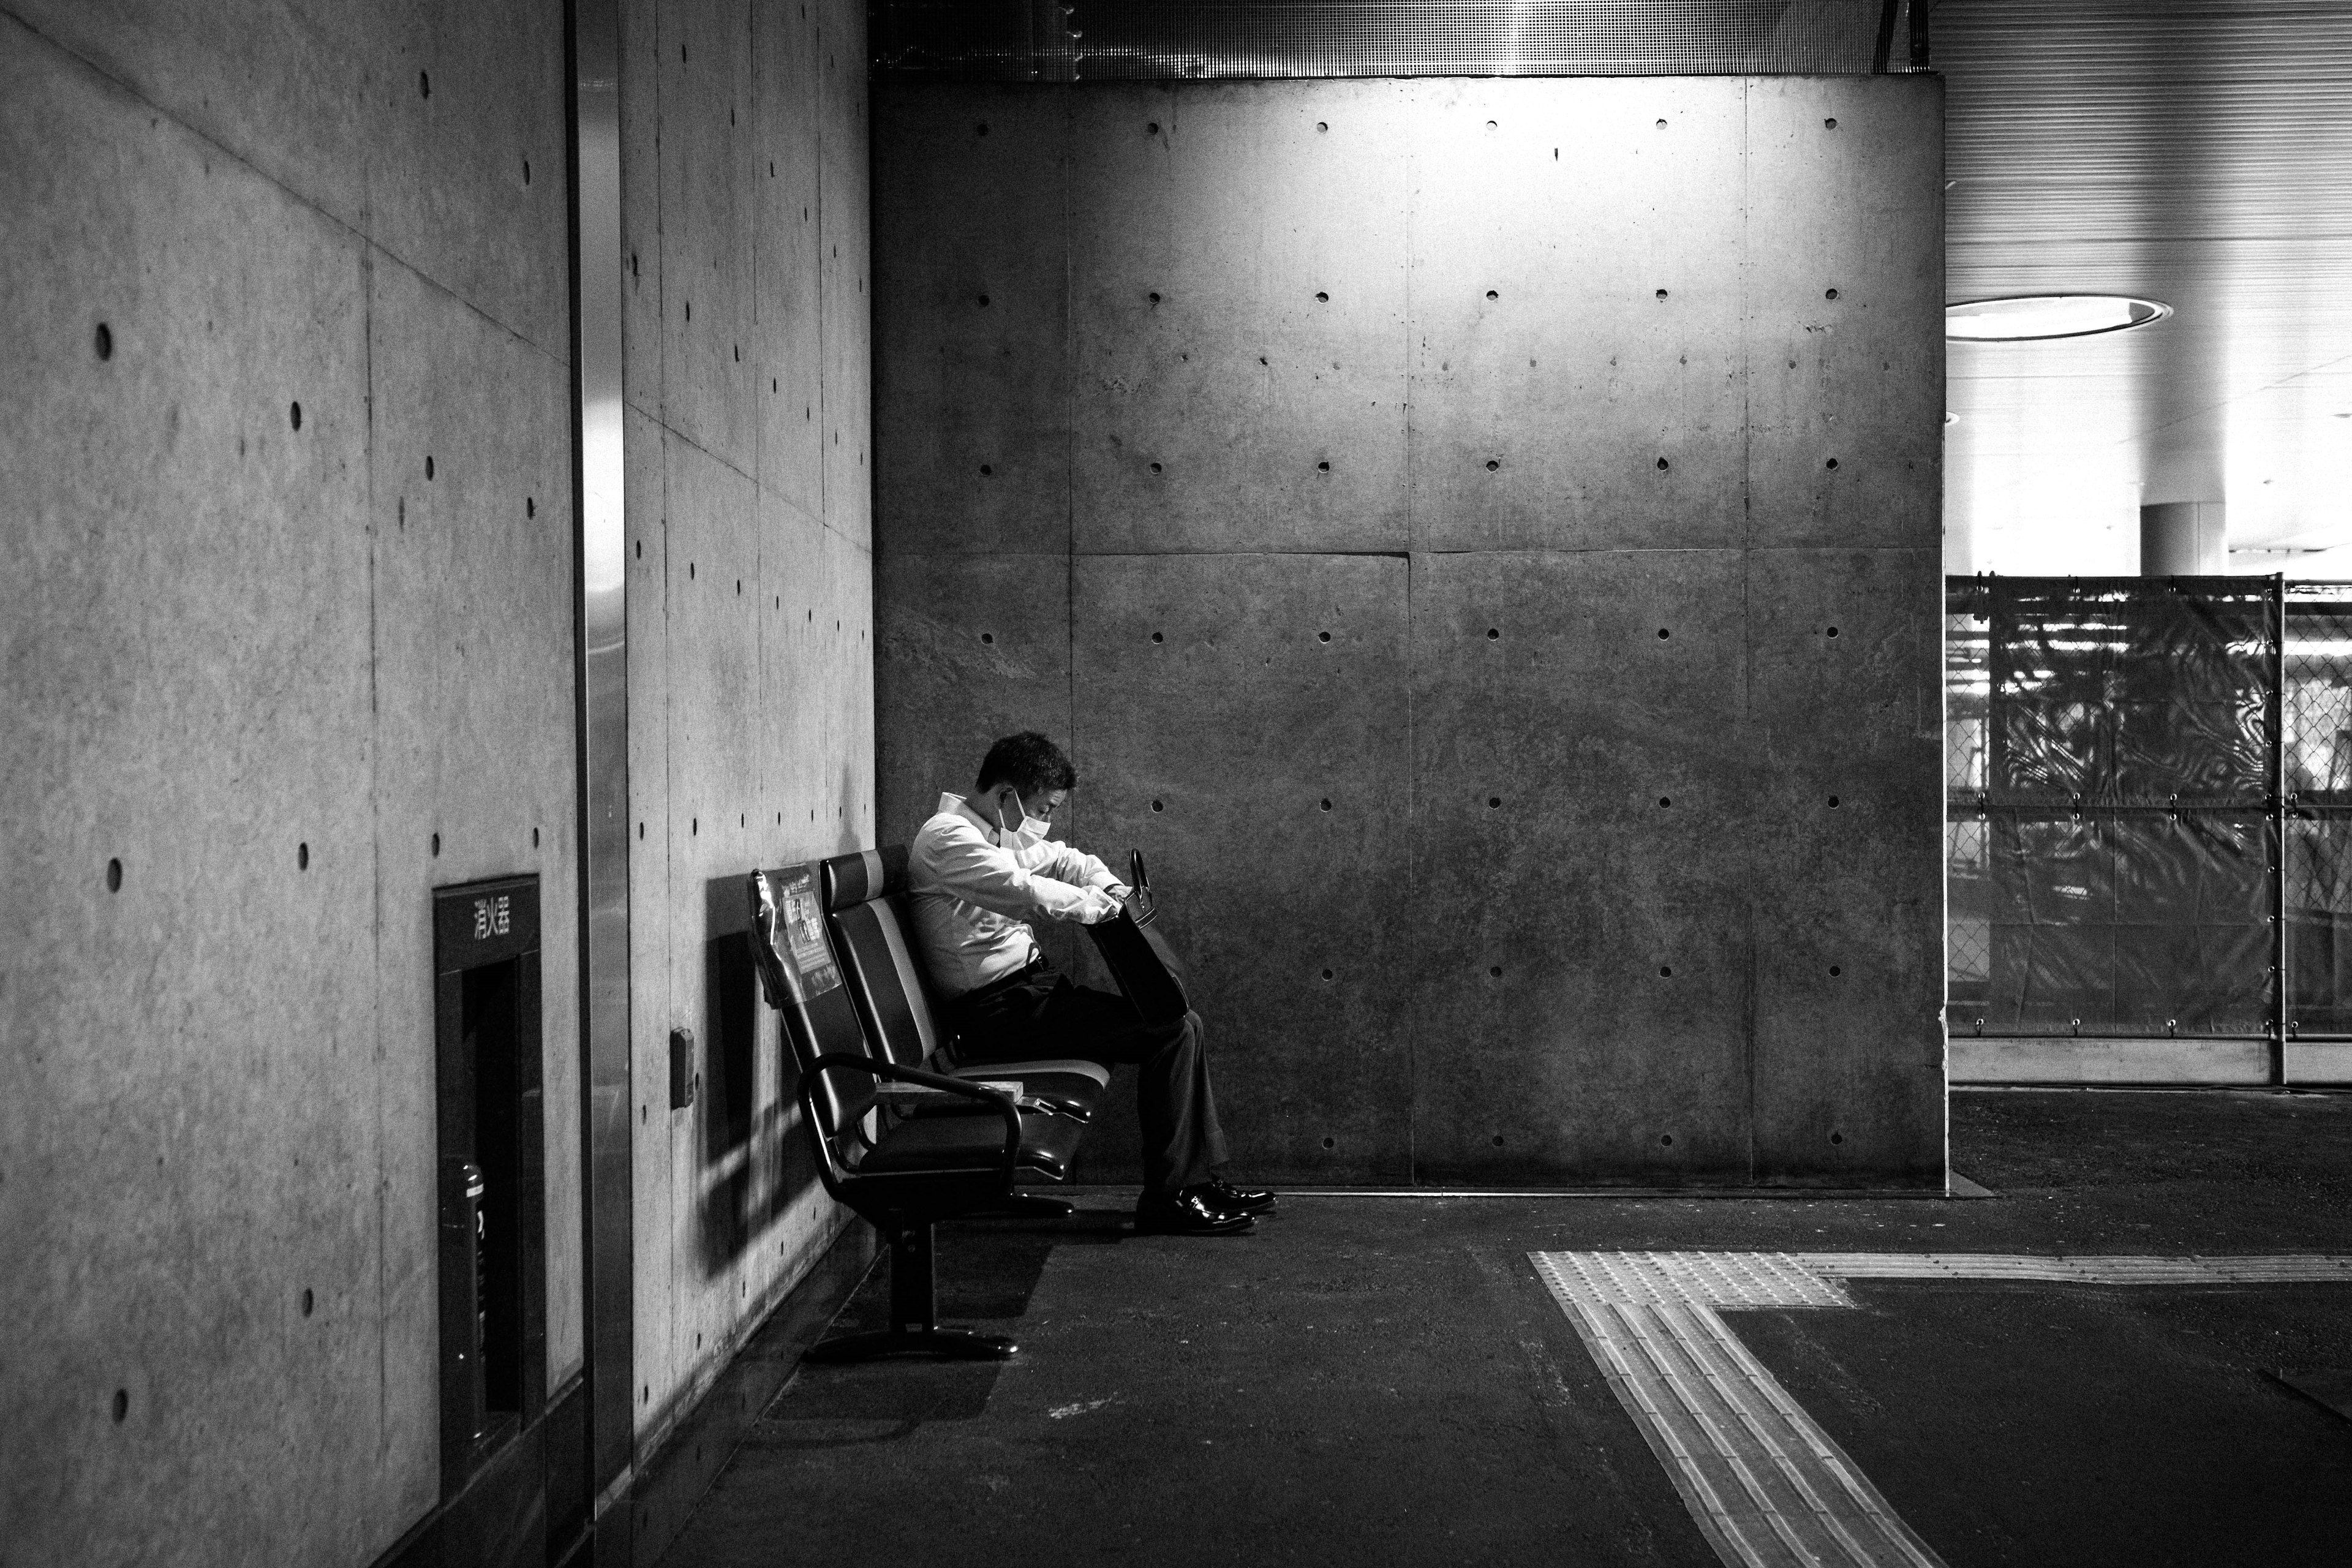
x=1042, y=40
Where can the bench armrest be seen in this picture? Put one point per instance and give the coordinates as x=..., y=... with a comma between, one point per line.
x=961, y=1088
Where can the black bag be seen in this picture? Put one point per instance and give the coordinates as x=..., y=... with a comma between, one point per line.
x=1148, y=971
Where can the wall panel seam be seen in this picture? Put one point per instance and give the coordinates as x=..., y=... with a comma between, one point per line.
x=232, y=155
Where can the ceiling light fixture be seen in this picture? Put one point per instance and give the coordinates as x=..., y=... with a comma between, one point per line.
x=2048, y=316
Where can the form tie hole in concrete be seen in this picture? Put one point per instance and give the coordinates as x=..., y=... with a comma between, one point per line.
x=1157, y=637
x=1664, y=801
x=1323, y=467
x=1833, y=800
x=1833, y=463
x=1493, y=463
x=424, y=84
x=1494, y=971
x=1829, y=125
x=1494, y=633
x=1321, y=298
x=1662, y=293
x=1327, y=974
x=1156, y=468
x=114, y=876
x=1322, y=125
x=988, y=636
x=309, y=1301
x=1833, y=631
x=985, y=470
x=428, y=467
x=1329, y=1144
x=1494, y=803
x=1663, y=634
x=105, y=342
x=983, y=301
x=1158, y=805
x=122, y=1395
x=1498, y=1139
x=301, y=857
x=1322, y=637
x=1661, y=125
x=1327, y=805
x=1152, y=129
x=1153, y=298
x=1831, y=295
x=1665, y=971
x=1490, y=125
x=1666, y=1140
x=436, y=845
x=1663, y=465
x=1493, y=294
x=1837, y=1137
x=980, y=129
x=1836, y=970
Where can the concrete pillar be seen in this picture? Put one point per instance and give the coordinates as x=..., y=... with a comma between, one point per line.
x=2183, y=539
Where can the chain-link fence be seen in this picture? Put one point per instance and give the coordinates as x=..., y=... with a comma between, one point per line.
x=2148, y=786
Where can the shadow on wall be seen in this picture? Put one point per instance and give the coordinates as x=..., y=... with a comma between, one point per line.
x=753, y=1168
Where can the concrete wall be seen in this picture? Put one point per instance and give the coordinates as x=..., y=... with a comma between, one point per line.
x=289, y=682
x=750, y=592
x=1426, y=507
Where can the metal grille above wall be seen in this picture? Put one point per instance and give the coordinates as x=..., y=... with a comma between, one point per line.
x=1051, y=40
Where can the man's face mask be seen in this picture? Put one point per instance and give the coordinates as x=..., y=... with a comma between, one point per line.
x=1031, y=832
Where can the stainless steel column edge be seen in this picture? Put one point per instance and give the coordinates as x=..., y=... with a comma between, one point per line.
x=603, y=762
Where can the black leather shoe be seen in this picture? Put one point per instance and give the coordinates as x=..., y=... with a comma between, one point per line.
x=1190, y=1211
x=1241, y=1200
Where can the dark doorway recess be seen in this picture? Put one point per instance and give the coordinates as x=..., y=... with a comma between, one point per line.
x=513, y=1467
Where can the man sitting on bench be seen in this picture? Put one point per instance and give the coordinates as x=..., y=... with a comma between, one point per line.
x=979, y=872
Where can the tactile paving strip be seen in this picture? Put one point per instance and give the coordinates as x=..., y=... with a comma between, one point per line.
x=1767, y=1486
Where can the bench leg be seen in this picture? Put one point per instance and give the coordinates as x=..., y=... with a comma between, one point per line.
x=914, y=1315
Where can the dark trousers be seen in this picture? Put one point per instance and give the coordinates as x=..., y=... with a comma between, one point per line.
x=1043, y=1015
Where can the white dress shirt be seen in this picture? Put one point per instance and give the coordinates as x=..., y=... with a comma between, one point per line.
x=973, y=898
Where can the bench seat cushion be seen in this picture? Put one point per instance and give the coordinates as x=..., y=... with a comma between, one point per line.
x=953, y=1142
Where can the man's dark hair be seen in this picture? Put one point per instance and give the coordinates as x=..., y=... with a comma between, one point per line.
x=1029, y=763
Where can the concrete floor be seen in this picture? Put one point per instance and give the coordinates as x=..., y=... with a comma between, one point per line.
x=1385, y=1380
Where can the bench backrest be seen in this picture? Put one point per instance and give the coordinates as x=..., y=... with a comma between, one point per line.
x=865, y=901
x=819, y=1016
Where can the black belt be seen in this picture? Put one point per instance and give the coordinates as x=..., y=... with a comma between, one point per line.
x=1002, y=983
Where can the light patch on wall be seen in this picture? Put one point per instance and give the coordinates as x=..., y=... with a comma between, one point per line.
x=603, y=533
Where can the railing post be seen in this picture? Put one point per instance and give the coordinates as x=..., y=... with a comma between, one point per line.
x=2280, y=813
